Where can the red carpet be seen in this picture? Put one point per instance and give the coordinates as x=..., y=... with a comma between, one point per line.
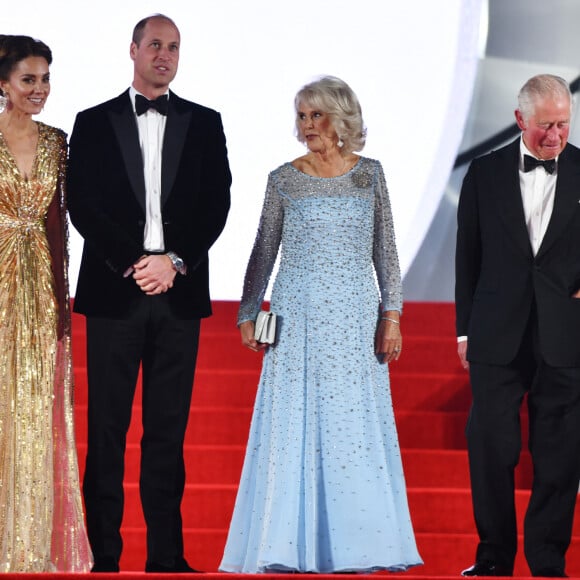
x=431, y=397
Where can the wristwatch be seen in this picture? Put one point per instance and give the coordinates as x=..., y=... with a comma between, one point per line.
x=178, y=263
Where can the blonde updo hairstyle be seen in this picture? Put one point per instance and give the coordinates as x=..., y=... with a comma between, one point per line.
x=335, y=98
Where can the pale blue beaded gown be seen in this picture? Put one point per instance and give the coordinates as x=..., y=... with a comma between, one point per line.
x=322, y=487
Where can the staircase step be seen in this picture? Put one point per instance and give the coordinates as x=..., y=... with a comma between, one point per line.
x=219, y=350
x=226, y=425
x=237, y=387
x=212, y=387
x=444, y=555
x=230, y=426
x=222, y=464
x=419, y=318
x=206, y=464
x=430, y=391
x=433, y=510
x=447, y=468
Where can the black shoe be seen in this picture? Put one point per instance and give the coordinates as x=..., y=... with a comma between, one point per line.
x=550, y=572
x=105, y=565
x=486, y=568
x=180, y=566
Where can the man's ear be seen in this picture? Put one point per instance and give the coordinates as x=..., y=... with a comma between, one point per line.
x=520, y=120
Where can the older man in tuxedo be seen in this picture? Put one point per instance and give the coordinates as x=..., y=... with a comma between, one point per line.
x=148, y=187
x=518, y=323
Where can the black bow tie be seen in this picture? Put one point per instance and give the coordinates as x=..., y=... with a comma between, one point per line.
x=531, y=163
x=142, y=104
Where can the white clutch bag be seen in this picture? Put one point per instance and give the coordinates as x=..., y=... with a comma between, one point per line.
x=265, y=327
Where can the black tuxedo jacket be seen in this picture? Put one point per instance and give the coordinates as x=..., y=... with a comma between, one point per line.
x=498, y=279
x=106, y=197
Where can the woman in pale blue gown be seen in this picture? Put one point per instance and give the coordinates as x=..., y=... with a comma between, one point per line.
x=322, y=487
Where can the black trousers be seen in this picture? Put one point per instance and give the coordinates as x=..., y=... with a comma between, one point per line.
x=165, y=347
x=494, y=444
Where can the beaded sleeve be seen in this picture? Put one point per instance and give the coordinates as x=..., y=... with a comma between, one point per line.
x=264, y=253
x=385, y=257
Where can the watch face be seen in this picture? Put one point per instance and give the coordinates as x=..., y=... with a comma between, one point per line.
x=177, y=262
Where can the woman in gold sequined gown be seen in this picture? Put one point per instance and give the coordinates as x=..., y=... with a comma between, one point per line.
x=41, y=516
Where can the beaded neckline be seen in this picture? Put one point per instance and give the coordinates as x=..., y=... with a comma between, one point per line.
x=334, y=177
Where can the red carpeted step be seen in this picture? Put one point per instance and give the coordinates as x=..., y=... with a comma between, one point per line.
x=212, y=387
x=237, y=387
x=208, y=464
x=430, y=391
x=447, y=468
x=220, y=350
x=223, y=350
x=433, y=510
x=443, y=554
x=419, y=318
x=227, y=425
x=209, y=425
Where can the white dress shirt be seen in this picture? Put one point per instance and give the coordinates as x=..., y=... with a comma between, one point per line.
x=538, y=188
x=151, y=126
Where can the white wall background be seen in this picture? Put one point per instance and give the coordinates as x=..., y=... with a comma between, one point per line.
x=411, y=63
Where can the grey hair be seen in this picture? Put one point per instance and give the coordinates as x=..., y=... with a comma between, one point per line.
x=334, y=97
x=539, y=87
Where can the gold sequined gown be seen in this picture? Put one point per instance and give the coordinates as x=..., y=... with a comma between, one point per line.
x=41, y=517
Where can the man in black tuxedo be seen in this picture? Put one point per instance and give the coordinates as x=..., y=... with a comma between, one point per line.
x=148, y=186
x=518, y=323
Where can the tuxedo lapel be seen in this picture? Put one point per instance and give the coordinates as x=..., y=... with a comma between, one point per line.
x=125, y=127
x=510, y=204
x=178, y=123
x=566, y=199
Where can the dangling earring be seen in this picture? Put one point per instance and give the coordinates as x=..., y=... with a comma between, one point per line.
x=340, y=143
x=3, y=103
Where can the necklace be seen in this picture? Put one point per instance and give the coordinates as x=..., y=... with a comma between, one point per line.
x=331, y=171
